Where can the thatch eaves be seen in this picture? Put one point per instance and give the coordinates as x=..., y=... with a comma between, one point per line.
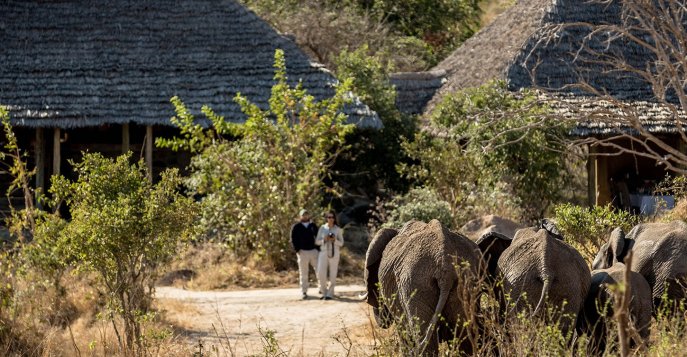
x=611, y=117
x=77, y=63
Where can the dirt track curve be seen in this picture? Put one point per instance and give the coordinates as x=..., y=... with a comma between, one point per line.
x=230, y=321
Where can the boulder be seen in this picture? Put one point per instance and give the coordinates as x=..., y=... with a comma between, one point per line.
x=490, y=223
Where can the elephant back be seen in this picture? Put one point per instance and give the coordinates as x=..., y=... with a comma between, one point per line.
x=419, y=241
x=537, y=258
x=423, y=256
x=658, y=254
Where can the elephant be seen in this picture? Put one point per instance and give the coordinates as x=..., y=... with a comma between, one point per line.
x=539, y=269
x=659, y=251
x=417, y=269
x=598, y=306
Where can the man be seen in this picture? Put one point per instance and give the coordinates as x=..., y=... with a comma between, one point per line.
x=303, y=241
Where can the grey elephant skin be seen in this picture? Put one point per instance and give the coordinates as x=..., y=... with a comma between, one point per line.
x=598, y=307
x=539, y=271
x=659, y=255
x=416, y=271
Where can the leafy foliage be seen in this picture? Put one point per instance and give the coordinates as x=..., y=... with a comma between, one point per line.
x=251, y=186
x=421, y=204
x=588, y=228
x=124, y=228
x=374, y=153
x=411, y=34
x=441, y=24
x=22, y=221
x=489, y=141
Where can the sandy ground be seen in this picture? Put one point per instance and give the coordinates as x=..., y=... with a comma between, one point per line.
x=231, y=321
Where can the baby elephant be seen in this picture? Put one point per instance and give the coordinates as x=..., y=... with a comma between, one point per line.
x=598, y=306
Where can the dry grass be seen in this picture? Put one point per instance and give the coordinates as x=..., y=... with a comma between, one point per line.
x=493, y=8
x=677, y=213
x=215, y=267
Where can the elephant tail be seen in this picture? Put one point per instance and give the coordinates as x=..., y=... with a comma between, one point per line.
x=443, y=297
x=544, y=292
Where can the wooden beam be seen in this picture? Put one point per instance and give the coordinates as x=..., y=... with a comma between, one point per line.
x=149, y=151
x=56, y=152
x=603, y=189
x=682, y=146
x=40, y=162
x=125, y=138
x=591, y=177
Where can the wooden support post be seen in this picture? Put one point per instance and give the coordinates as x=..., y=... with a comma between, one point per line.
x=603, y=190
x=682, y=146
x=591, y=177
x=56, y=152
x=149, y=151
x=125, y=138
x=40, y=163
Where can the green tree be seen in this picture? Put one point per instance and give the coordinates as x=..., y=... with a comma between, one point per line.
x=489, y=140
x=253, y=177
x=411, y=34
x=374, y=153
x=441, y=24
x=124, y=228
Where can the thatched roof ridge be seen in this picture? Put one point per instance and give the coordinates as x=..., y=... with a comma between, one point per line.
x=76, y=63
x=415, y=89
x=487, y=54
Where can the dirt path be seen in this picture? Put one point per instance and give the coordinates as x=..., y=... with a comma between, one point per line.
x=302, y=327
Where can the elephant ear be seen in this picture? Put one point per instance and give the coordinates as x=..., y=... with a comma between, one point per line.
x=617, y=245
x=492, y=245
x=372, y=259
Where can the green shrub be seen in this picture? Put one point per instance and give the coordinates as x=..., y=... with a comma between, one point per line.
x=371, y=162
x=488, y=139
x=421, y=204
x=123, y=228
x=588, y=228
x=278, y=161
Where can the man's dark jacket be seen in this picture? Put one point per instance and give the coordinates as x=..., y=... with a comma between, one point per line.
x=303, y=237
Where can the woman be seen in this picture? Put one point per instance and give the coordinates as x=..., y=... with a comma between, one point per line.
x=330, y=239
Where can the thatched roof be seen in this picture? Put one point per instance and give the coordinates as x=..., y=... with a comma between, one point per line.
x=75, y=63
x=518, y=47
x=487, y=54
x=552, y=57
x=415, y=89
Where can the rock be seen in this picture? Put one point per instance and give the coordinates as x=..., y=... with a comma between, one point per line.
x=490, y=223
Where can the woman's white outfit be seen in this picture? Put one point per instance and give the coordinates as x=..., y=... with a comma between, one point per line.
x=328, y=260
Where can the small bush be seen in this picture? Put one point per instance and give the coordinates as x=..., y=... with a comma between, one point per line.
x=487, y=139
x=588, y=228
x=123, y=228
x=422, y=204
